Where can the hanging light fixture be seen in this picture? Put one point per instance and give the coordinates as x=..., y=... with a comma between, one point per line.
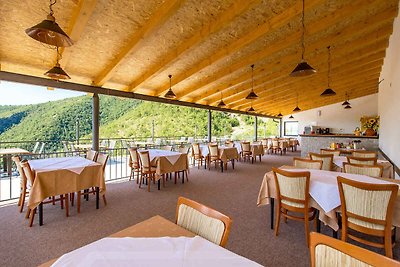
x=49, y=32
x=280, y=114
x=170, y=93
x=346, y=102
x=328, y=91
x=252, y=95
x=303, y=68
x=291, y=117
x=297, y=109
x=347, y=107
x=251, y=109
x=221, y=103
x=57, y=73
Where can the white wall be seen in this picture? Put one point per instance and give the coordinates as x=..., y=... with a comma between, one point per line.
x=389, y=98
x=335, y=117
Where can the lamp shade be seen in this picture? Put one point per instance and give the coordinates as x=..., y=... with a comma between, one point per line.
x=291, y=117
x=252, y=95
x=50, y=33
x=345, y=103
x=302, y=69
x=221, y=104
x=170, y=94
x=296, y=109
x=347, y=107
x=280, y=114
x=57, y=73
x=251, y=109
x=328, y=92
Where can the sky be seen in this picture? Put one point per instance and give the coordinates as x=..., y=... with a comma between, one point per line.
x=23, y=94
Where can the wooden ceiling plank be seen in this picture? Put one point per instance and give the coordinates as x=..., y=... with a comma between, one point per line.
x=163, y=13
x=314, y=27
x=76, y=26
x=272, y=24
x=236, y=9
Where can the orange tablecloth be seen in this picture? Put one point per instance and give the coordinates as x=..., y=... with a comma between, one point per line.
x=228, y=153
x=167, y=161
x=57, y=176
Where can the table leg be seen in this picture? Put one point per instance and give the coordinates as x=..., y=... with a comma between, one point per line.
x=233, y=164
x=41, y=213
x=183, y=177
x=97, y=197
x=334, y=234
x=272, y=206
x=222, y=166
x=158, y=184
x=318, y=221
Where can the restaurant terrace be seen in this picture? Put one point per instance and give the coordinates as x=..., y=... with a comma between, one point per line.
x=319, y=187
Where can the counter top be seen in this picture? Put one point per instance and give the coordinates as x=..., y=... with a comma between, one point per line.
x=339, y=135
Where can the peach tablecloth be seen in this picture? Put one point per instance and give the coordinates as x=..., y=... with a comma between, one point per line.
x=323, y=184
x=57, y=176
x=228, y=153
x=168, y=161
x=387, y=166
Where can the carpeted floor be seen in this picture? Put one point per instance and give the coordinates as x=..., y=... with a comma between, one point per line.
x=233, y=193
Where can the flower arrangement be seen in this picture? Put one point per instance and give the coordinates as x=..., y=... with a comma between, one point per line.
x=369, y=123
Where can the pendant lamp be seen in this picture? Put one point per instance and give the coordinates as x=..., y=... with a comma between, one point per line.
x=280, y=114
x=303, y=68
x=291, y=117
x=49, y=32
x=221, y=103
x=170, y=94
x=347, y=107
x=251, y=109
x=346, y=102
x=57, y=73
x=297, y=109
x=328, y=91
x=252, y=95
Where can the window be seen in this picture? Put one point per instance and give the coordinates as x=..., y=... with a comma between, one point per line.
x=291, y=128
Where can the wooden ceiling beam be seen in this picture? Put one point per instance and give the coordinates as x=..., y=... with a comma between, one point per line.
x=382, y=24
x=236, y=9
x=76, y=26
x=163, y=13
x=225, y=52
x=312, y=28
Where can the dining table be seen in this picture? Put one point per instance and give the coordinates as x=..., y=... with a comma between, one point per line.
x=324, y=194
x=388, y=170
x=63, y=175
x=7, y=153
x=153, y=242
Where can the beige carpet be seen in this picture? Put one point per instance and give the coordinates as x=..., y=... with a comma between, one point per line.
x=233, y=193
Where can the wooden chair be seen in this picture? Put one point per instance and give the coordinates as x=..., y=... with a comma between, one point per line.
x=102, y=159
x=367, y=208
x=264, y=143
x=229, y=144
x=293, y=142
x=23, y=183
x=31, y=177
x=203, y=221
x=373, y=171
x=275, y=146
x=146, y=170
x=307, y=163
x=293, y=196
x=362, y=161
x=134, y=163
x=335, y=153
x=213, y=155
x=327, y=160
x=328, y=251
x=283, y=145
x=197, y=156
x=246, y=151
x=91, y=155
x=365, y=154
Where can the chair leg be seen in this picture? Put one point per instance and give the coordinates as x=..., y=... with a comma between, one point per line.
x=78, y=201
x=104, y=200
x=306, y=228
x=66, y=205
x=130, y=176
x=22, y=200
x=62, y=201
x=32, y=216
x=148, y=181
x=278, y=219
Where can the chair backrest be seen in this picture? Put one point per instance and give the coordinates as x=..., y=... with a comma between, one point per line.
x=335, y=153
x=91, y=155
x=196, y=149
x=112, y=144
x=365, y=154
x=35, y=147
x=362, y=161
x=229, y=143
x=292, y=188
x=203, y=221
x=245, y=146
x=367, y=205
x=327, y=160
x=183, y=149
x=23, y=179
x=328, y=251
x=373, y=171
x=28, y=171
x=145, y=160
x=168, y=148
x=102, y=159
x=213, y=150
x=41, y=150
x=307, y=163
x=183, y=138
x=134, y=158
x=275, y=143
x=158, y=141
x=264, y=142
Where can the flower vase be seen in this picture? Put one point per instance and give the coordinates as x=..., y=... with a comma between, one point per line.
x=370, y=132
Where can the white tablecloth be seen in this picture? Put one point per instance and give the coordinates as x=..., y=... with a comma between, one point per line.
x=171, y=156
x=74, y=164
x=324, y=189
x=163, y=251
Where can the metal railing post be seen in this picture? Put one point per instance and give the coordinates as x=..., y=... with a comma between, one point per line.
x=95, y=122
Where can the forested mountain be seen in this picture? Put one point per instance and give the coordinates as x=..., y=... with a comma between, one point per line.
x=119, y=117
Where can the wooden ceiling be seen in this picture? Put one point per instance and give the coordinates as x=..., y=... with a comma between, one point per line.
x=208, y=47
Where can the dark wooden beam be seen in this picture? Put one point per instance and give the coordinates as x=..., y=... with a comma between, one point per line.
x=27, y=79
